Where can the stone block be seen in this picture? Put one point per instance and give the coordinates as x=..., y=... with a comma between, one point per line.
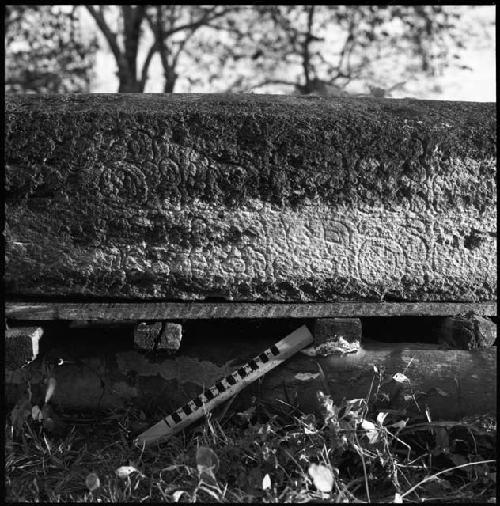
x=170, y=337
x=467, y=332
x=337, y=335
x=21, y=345
x=250, y=198
x=146, y=335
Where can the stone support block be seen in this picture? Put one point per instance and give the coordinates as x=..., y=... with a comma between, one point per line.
x=337, y=335
x=170, y=337
x=468, y=332
x=21, y=345
x=146, y=335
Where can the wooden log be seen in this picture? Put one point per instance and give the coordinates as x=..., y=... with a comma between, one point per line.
x=21, y=345
x=250, y=198
x=337, y=335
x=467, y=332
x=452, y=383
x=133, y=311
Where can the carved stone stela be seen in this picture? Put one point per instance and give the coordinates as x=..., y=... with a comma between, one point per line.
x=250, y=198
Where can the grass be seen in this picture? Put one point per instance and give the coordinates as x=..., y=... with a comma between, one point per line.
x=350, y=453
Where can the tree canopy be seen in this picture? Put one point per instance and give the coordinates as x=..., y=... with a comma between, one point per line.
x=236, y=48
x=45, y=51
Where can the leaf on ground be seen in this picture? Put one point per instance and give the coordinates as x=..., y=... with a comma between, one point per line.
x=322, y=477
x=92, y=482
x=381, y=417
x=266, y=482
x=125, y=471
x=399, y=425
x=36, y=413
x=399, y=377
x=371, y=431
x=206, y=460
x=397, y=498
x=51, y=388
x=177, y=495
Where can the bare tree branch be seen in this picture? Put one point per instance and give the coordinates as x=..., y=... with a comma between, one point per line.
x=147, y=62
x=204, y=20
x=106, y=31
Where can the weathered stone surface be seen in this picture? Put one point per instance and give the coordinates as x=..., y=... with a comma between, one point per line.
x=468, y=332
x=250, y=198
x=21, y=345
x=170, y=336
x=146, y=335
x=337, y=335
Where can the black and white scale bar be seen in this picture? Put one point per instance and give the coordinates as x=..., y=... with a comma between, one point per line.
x=228, y=386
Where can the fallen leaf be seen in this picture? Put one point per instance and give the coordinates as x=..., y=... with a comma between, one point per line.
x=400, y=378
x=206, y=460
x=428, y=413
x=177, y=495
x=371, y=431
x=399, y=425
x=92, y=482
x=125, y=471
x=322, y=477
x=36, y=413
x=381, y=417
x=397, y=498
x=266, y=482
x=51, y=388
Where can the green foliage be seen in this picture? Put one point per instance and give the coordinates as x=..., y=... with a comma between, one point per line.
x=45, y=51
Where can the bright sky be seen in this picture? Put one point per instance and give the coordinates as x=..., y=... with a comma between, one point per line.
x=478, y=84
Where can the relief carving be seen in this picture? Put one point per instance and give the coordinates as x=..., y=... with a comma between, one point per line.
x=380, y=260
x=123, y=180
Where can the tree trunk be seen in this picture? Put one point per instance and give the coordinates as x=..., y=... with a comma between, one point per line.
x=128, y=82
x=169, y=84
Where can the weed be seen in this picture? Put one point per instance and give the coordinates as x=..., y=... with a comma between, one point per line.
x=352, y=451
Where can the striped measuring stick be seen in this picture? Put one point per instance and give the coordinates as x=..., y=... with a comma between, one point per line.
x=227, y=387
